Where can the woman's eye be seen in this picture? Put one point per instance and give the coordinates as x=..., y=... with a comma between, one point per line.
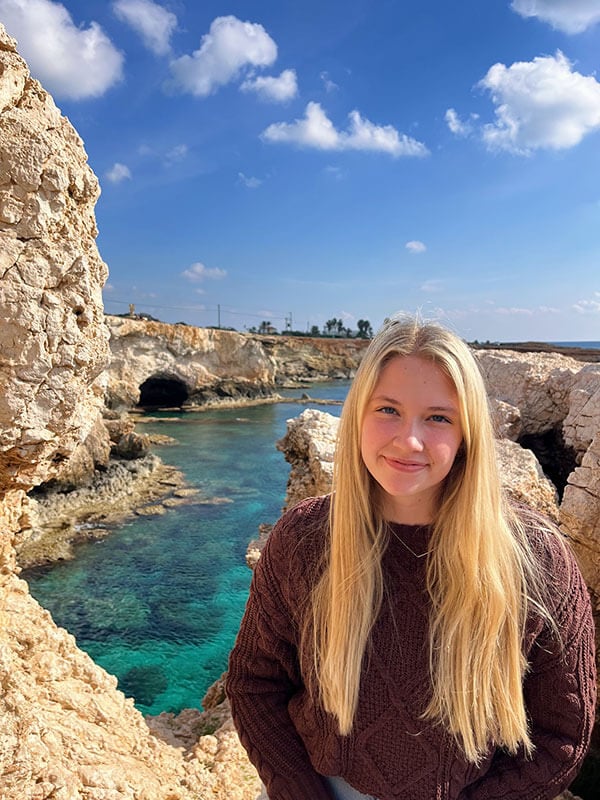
x=440, y=418
x=387, y=410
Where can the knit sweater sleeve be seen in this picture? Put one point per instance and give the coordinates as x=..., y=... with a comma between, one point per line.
x=560, y=696
x=264, y=673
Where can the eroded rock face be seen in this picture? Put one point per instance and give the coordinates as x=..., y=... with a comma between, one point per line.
x=194, y=359
x=203, y=365
x=538, y=384
x=66, y=731
x=580, y=516
x=309, y=447
x=53, y=341
x=582, y=421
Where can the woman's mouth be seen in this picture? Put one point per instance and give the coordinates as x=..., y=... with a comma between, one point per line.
x=404, y=465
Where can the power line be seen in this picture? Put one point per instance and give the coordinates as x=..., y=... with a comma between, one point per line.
x=149, y=304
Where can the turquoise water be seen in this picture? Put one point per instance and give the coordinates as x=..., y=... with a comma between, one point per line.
x=158, y=603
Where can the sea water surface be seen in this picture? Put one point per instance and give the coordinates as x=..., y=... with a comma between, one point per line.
x=159, y=601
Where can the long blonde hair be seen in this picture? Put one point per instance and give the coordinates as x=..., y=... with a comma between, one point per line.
x=480, y=570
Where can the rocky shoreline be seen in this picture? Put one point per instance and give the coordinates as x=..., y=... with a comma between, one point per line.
x=586, y=354
x=57, y=517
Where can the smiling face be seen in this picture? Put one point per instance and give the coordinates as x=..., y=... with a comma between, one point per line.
x=410, y=435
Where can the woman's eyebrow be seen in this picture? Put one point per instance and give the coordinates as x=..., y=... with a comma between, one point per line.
x=381, y=398
x=394, y=401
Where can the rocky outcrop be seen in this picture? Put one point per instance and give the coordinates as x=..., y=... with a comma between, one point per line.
x=192, y=364
x=580, y=517
x=66, y=732
x=538, y=384
x=582, y=421
x=159, y=364
x=309, y=447
x=53, y=339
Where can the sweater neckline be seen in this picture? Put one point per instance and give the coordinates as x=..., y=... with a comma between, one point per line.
x=412, y=539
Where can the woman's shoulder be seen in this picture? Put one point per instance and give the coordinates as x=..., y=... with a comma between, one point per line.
x=556, y=563
x=311, y=510
x=296, y=544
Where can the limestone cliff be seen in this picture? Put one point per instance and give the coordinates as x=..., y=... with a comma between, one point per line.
x=53, y=339
x=199, y=365
x=66, y=732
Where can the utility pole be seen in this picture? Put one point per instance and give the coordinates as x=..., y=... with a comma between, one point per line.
x=219, y=315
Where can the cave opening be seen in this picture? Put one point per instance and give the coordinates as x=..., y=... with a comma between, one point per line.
x=160, y=392
x=556, y=458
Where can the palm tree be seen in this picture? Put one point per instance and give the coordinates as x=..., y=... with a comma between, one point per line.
x=365, y=331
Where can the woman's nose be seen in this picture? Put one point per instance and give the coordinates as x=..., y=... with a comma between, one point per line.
x=409, y=436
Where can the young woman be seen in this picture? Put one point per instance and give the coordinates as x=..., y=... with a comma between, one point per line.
x=413, y=636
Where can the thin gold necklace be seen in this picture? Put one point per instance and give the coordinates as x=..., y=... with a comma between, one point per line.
x=410, y=550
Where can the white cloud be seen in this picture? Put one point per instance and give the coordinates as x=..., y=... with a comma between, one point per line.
x=153, y=22
x=225, y=50
x=71, y=62
x=587, y=307
x=330, y=86
x=513, y=311
x=540, y=104
x=570, y=16
x=432, y=285
x=250, y=182
x=415, y=246
x=335, y=172
x=277, y=90
x=118, y=172
x=176, y=154
x=458, y=126
x=198, y=272
x=316, y=130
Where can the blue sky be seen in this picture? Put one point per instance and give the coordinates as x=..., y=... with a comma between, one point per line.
x=310, y=160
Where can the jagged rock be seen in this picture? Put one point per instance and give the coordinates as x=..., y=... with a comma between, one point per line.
x=582, y=422
x=309, y=446
x=118, y=427
x=87, y=457
x=52, y=334
x=523, y=478
x=507, y=419
x=66, y=731
x=170, y=365
x=580, y=517
x=132, y=445
x=538, y=384
x=255, y=547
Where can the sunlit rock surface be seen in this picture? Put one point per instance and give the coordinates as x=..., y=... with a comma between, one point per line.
x=196, y=366
x=66, y=731
x=53, y=341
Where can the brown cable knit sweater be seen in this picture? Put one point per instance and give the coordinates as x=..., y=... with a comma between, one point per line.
x=391, y=753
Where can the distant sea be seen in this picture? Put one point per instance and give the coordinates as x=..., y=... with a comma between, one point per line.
x=585, y=345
